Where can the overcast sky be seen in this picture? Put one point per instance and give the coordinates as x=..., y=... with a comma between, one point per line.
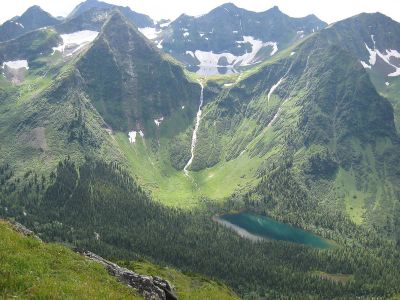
x=327, y=10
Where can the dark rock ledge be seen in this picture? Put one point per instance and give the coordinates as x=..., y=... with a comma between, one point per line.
x=23, y=230
x=151, y=287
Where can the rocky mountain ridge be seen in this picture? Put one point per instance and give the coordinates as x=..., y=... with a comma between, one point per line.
x=232, y=37
x=34, y=18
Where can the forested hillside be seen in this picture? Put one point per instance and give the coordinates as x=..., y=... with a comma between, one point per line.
x=97, y=206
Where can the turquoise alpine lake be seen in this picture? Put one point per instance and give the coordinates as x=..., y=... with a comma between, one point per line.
x=257, y=227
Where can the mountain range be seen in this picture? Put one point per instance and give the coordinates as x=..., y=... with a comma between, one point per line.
x=130, y=138
x=244, y=38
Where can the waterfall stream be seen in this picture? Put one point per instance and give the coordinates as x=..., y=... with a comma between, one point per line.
x=273, y=88
x=196, y=128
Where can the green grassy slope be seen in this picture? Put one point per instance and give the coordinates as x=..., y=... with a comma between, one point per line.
x=30, y=46
x=391, y=92
x=48, y=115
x=172, y=187
x=31, y=269
x=158, y=160
x=48, y=121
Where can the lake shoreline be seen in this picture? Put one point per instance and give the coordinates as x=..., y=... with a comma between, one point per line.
x=262, y=228
x=243, y=233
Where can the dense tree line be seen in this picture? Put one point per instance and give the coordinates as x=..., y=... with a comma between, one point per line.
x=75, y=203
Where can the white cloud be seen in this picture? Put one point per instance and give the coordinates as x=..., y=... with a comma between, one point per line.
x=329, y=11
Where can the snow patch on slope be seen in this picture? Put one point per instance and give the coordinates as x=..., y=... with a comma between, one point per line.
x=75, y=41
x=395, y=73
x=256, y=46
x=158, y=121
x=18, y=24
x=374, y=53
x=365, y=65
x=141, y=133
x=16, y=64
x=211, y=59
x=132, y=137
x=133, y=134
x=150, y=32
x=190, y=53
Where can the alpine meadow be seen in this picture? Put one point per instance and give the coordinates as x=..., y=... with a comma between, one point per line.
x=232, y=155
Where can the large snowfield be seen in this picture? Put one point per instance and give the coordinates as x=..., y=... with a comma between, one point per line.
x=211, y=59
x=16, y=64
x=73, y=42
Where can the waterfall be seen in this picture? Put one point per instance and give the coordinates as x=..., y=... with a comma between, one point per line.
x=196, y=128
x=276, y=115
x=273, y=88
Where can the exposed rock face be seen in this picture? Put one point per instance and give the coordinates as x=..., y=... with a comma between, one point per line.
x=152, y=288
x=23, y=230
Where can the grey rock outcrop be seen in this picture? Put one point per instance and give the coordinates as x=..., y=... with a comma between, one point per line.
x=23, y=230
x=151, y=287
